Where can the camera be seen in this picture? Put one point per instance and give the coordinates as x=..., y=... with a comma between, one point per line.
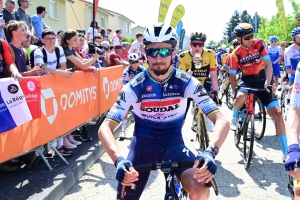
x=100, y=51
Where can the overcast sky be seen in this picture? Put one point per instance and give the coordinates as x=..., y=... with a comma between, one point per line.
x=209, y=16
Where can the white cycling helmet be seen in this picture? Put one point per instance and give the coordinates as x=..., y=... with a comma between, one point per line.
x=160, y=33
x=133, y=57
x=223, y=47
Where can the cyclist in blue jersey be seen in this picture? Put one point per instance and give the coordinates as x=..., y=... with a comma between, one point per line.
x=292, y=58
x=129, y=73
x=159, y=97
x=275, y=53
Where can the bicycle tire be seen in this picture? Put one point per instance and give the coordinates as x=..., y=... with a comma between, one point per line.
x=229, y=100
x=262, y=116
x=237, y=137
x=248, y=153
x=202, y=133
x=291, y=186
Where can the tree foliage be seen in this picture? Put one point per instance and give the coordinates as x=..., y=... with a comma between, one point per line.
x=235, y=19
x=275, y=27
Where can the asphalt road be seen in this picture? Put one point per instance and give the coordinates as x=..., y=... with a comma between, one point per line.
x=265, y=179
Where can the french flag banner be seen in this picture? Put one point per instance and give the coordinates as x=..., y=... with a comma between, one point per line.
x=14, y=110
x=31, y=88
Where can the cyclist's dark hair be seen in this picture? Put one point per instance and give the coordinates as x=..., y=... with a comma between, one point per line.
x=40, y=9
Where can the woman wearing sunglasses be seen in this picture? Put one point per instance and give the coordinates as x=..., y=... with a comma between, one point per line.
x=158, y=96
x=253, y=58
x=129, y=73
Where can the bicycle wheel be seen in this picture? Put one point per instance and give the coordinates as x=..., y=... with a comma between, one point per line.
x=248, y=137
x=202, y=133
x=229, y=100
x=260, y=120
x=283, y=98
x=237, y=136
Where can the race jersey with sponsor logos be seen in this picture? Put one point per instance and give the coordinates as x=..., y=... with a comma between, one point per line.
x=291, y=60
x=250, y=61
x=159, y=107
x=223, y=58
x=208, y=63
x=275, y=52
x=129, y=74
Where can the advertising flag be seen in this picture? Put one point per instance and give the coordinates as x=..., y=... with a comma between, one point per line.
x=31, y=88
x=179, y=28
x=13, y=106
x=163, y=9
x=181, y=39
x=177, y=15
x=280, y=6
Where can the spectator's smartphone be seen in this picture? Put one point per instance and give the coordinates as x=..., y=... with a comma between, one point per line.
x=43, y=66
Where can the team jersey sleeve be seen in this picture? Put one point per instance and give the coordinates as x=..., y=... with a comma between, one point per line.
x=62, y=57
x=182, y=64
x=125, y=76
x=279, y=52
x=234, y=64
x=125, y=99
x=213, y=61
x=263, y=50
x=196, y=91
x=287, y=60
x=227, y=62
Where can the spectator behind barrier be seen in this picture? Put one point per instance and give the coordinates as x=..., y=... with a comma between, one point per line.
x=55, y=64
x=111, y=49
x=115, y=58
x=58, y=36
x=93, y=27
x=103, y=61
x=18, y=32
x=136, y=45
x=125, y=53
x=102, y=33
x=27, y=44
x=82, y=48
x=74, y=60
x=2, y=22
x=39, y=24
x=106, y=36
x=117, y=38
x=9, y=15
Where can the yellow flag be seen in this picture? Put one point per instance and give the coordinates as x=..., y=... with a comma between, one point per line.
x=177, y=15
x=163, y=9
x=280, y=6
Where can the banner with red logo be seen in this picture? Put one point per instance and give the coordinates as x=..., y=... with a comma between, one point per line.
x=31, y=88
x=13, y=107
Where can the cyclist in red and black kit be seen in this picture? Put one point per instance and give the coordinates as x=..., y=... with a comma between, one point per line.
x=253, y=58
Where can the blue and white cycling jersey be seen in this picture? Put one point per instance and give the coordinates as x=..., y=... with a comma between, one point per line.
x=159, y=107
x=275, y=53
x=129, y=74
x=291, y=59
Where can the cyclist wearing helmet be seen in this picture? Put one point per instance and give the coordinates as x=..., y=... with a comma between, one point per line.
x=292, y=58
x=253, y=58
x=275, y=55
x=129, y=73
x=219, y=56
x=187, y=60
x=158, y=96
x=285, y=75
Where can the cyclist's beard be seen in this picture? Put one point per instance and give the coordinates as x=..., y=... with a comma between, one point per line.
x=160, y=71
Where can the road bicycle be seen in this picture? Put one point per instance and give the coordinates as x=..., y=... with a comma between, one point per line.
x=228, y=91
x=200, y=128
x=174, y=189
x=247, y=118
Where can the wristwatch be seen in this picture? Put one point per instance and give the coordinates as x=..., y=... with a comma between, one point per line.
x=214, y=149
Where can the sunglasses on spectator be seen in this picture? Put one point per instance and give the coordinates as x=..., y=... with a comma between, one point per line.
x=274, y=41
x=195, y=44
x=249, y=37
x=134, y=62
x=163, y=52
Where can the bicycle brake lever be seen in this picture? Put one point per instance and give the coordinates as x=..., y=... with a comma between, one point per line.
x=130, y=190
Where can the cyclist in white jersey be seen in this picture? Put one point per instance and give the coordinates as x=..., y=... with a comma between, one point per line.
x=158, y=96
x=292, y=163
x=292, y=58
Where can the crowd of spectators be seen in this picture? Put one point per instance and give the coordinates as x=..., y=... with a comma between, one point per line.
x=31, y=48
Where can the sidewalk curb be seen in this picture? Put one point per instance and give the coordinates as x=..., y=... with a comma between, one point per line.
x=62, y=183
